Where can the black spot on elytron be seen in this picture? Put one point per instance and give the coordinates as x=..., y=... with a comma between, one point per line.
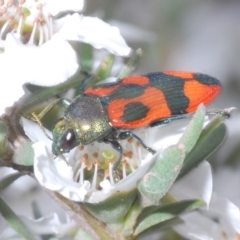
x=134, y=111
x=173, y=90
x=206, y=79
x=124, y=92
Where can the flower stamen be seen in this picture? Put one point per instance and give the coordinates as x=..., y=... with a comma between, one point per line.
x=20, y=23
x=111, y=173
x=50, y=25
x=40, y=34
x=128, y=160
x=4, y=27
x=89, y=166
x=139, y=153
x=31, y=40
x=81, y=173
x=124, y=173
x=29, y=19
x=10, y=3
x=94, y=181
x=46, y=32
x=80, y=148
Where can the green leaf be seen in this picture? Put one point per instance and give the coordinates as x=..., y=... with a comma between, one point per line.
x=171, y=234
x=131, y=219
x=131, y=64
x=105, y=67
x=113, y=208
x=166, y=168
x=33, y=88
x=3, y=137
x=9, y=179
x=24, y=155
x=165, y=213
x=210, y=139
x=86, y=57
x=14, y=221
x=80, y=234
x=157, y=181
x=194, y=129
x=161, y=227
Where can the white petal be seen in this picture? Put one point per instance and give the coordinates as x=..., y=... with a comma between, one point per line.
x=231, y=174
x=227, y=210
x=47, y=65
x=221, y=221
x=96, y=32
x=160, y=137
x=11, y=91
x=50, y=224
x=56, y=175
x=125, y=184
x=56, y=62
x=34, y=131
x=56, y=6
x=197, y=184
x=198, y=227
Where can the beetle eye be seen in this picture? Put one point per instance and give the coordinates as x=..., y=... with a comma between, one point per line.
x=68, y=141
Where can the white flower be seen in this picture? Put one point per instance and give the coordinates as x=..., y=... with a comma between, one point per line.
x=197, y=184
x=219, y=219
x=96, y=32
x=46, y=225
x=221, y=187
x=88, y=175
x=20, y=199
x=35, y=44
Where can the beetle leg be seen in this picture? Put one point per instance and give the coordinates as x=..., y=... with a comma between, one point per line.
x=127, y=134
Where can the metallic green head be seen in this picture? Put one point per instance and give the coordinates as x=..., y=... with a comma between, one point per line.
x=85, y=120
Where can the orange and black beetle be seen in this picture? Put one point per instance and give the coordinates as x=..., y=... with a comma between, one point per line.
x=108, y=112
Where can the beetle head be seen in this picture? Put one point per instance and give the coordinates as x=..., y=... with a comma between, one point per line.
x=64, y=138
x=84, y=121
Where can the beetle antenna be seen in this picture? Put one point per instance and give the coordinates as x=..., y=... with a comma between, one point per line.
x=84, y=82
x=65, y=160
x=38, y=121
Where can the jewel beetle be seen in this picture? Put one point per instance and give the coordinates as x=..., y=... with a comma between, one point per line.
x=109, y=112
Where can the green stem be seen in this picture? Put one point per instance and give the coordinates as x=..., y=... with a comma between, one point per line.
x=49, y=92
x=93, y=227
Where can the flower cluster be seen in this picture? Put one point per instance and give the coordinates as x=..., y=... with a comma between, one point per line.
x=35, y=47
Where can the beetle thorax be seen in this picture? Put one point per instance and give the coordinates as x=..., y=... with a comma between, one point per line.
x=88, y=118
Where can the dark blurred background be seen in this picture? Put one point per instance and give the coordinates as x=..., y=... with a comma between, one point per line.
x=189, y=35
